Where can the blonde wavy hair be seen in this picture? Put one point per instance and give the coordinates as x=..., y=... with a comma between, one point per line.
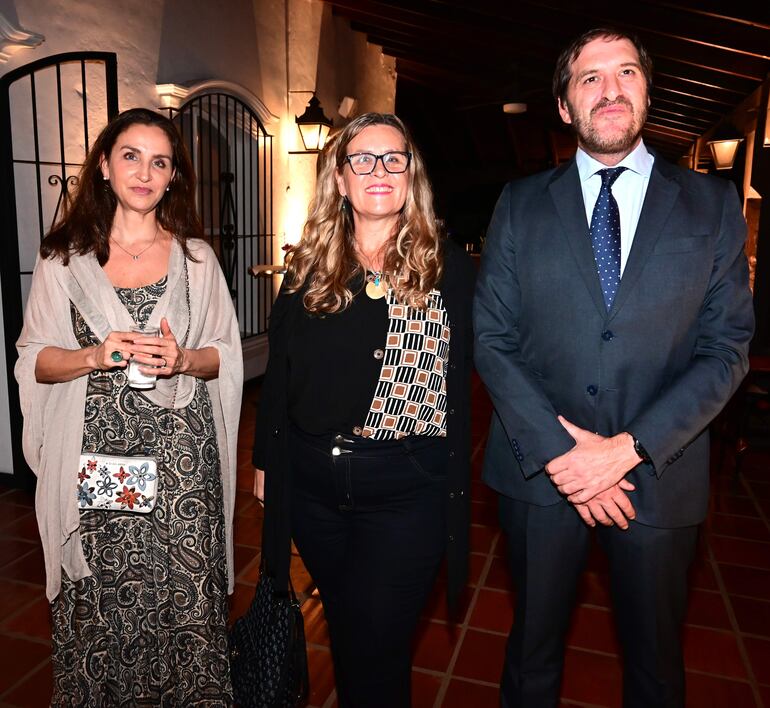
x=324, y=262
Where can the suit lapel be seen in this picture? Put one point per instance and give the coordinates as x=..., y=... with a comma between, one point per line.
x=568, y=200
x=662, y=193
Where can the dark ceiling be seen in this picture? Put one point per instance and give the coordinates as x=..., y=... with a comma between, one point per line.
x=459, y=61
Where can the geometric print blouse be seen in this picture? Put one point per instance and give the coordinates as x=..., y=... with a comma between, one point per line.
x=410, y=397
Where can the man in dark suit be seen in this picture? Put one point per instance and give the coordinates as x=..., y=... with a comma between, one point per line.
x=612, y=318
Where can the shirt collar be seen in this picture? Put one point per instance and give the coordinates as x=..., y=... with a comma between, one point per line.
x=639, y=160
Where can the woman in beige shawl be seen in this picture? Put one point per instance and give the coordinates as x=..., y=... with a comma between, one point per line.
x=138, y=600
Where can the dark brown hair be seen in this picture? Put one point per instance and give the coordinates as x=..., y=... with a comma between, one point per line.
x=87, y=218
x=563, y=72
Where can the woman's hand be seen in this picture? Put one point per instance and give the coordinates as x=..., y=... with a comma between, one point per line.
x=162, y=355
x=56, y=364
x=102, y=355
x=259, y=485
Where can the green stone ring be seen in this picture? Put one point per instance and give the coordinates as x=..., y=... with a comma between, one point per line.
x=116, y=356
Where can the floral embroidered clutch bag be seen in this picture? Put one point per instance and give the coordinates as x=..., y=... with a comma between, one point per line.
x=113, y=483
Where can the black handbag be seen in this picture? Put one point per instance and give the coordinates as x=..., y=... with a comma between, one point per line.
x=268, y=658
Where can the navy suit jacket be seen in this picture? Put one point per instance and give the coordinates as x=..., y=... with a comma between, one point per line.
x=660, y=364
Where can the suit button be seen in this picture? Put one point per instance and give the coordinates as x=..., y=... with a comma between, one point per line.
x=451, y=538
x=378, y=354
x=607, y=335
x=276, y=432
x=592, y=390
x=451, y=411
x=451, y=495
x=357, y=430
x=451, y=453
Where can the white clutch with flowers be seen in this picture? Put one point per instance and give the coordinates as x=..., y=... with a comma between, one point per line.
x=115, y=483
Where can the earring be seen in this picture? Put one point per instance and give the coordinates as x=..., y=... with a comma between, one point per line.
x=168, y=189
x=105, y=178
x=345, y=206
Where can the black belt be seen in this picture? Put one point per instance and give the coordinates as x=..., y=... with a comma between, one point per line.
x=339, y=444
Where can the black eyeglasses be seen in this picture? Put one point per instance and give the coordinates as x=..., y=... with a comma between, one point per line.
x=364, y=163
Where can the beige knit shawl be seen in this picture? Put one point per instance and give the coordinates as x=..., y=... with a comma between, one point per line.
x=54, y=413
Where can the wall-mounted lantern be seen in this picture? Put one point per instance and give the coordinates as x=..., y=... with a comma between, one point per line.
x=314, y=126
x=724, y=151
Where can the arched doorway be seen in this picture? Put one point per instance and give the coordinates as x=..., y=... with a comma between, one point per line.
x=232, y=154
x=46, y=129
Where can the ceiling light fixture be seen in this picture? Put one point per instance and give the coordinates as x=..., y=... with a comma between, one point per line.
x=724, y=151
x=514, y=108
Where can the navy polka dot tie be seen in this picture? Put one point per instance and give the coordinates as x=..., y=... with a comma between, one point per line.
x=605, y=235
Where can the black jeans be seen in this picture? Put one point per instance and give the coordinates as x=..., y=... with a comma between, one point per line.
x=368, y=520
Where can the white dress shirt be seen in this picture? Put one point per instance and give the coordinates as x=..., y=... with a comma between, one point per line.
x=629, y=190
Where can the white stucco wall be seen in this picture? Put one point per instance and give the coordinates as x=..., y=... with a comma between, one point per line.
x=269, y=47
x=6, y=458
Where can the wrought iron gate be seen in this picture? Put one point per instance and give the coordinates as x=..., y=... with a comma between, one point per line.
x=49, y=110
x=233, y=154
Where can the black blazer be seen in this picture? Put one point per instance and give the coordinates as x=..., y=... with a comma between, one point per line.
x=660, y=364
x=271, y=442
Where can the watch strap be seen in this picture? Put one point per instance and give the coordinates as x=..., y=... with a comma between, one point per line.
x=639, y=449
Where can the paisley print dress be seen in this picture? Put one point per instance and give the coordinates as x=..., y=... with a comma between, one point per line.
x=149, y=627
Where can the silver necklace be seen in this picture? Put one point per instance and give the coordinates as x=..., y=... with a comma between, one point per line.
x=135, y=256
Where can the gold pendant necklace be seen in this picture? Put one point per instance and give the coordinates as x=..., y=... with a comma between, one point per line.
x=375, y=286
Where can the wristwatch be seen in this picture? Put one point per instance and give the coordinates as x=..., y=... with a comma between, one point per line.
x=639, y=450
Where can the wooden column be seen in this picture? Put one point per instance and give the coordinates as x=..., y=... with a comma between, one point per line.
x=760, y=181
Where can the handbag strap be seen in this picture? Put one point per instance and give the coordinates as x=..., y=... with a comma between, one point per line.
x=262, y=571
x=184, y=342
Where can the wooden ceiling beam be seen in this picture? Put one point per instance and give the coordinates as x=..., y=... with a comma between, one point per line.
x=671, y=102
x=738, y=11
x=686, y=126
x=552, y=30
x=677, y=115
x=675, y=141
x=407, y=16
x=458, y=87
x=451, y=72
x=561, y=20
x=672, y=133
x=648, y=17
x=443, y=55
x=707, y=93
x=676, y=24
x=684, y=71
x=707, y=57
x=689, y=97
x=419, y=29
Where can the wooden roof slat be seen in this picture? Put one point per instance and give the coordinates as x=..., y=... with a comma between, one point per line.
x=708, y=55
x=693, y=88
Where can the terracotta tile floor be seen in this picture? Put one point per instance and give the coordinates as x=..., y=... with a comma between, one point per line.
x=456, y=665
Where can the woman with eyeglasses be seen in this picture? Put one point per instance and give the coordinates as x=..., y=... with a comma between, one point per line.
x=362, y=443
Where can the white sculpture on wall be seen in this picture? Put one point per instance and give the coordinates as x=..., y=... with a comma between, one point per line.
x=13, y=38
